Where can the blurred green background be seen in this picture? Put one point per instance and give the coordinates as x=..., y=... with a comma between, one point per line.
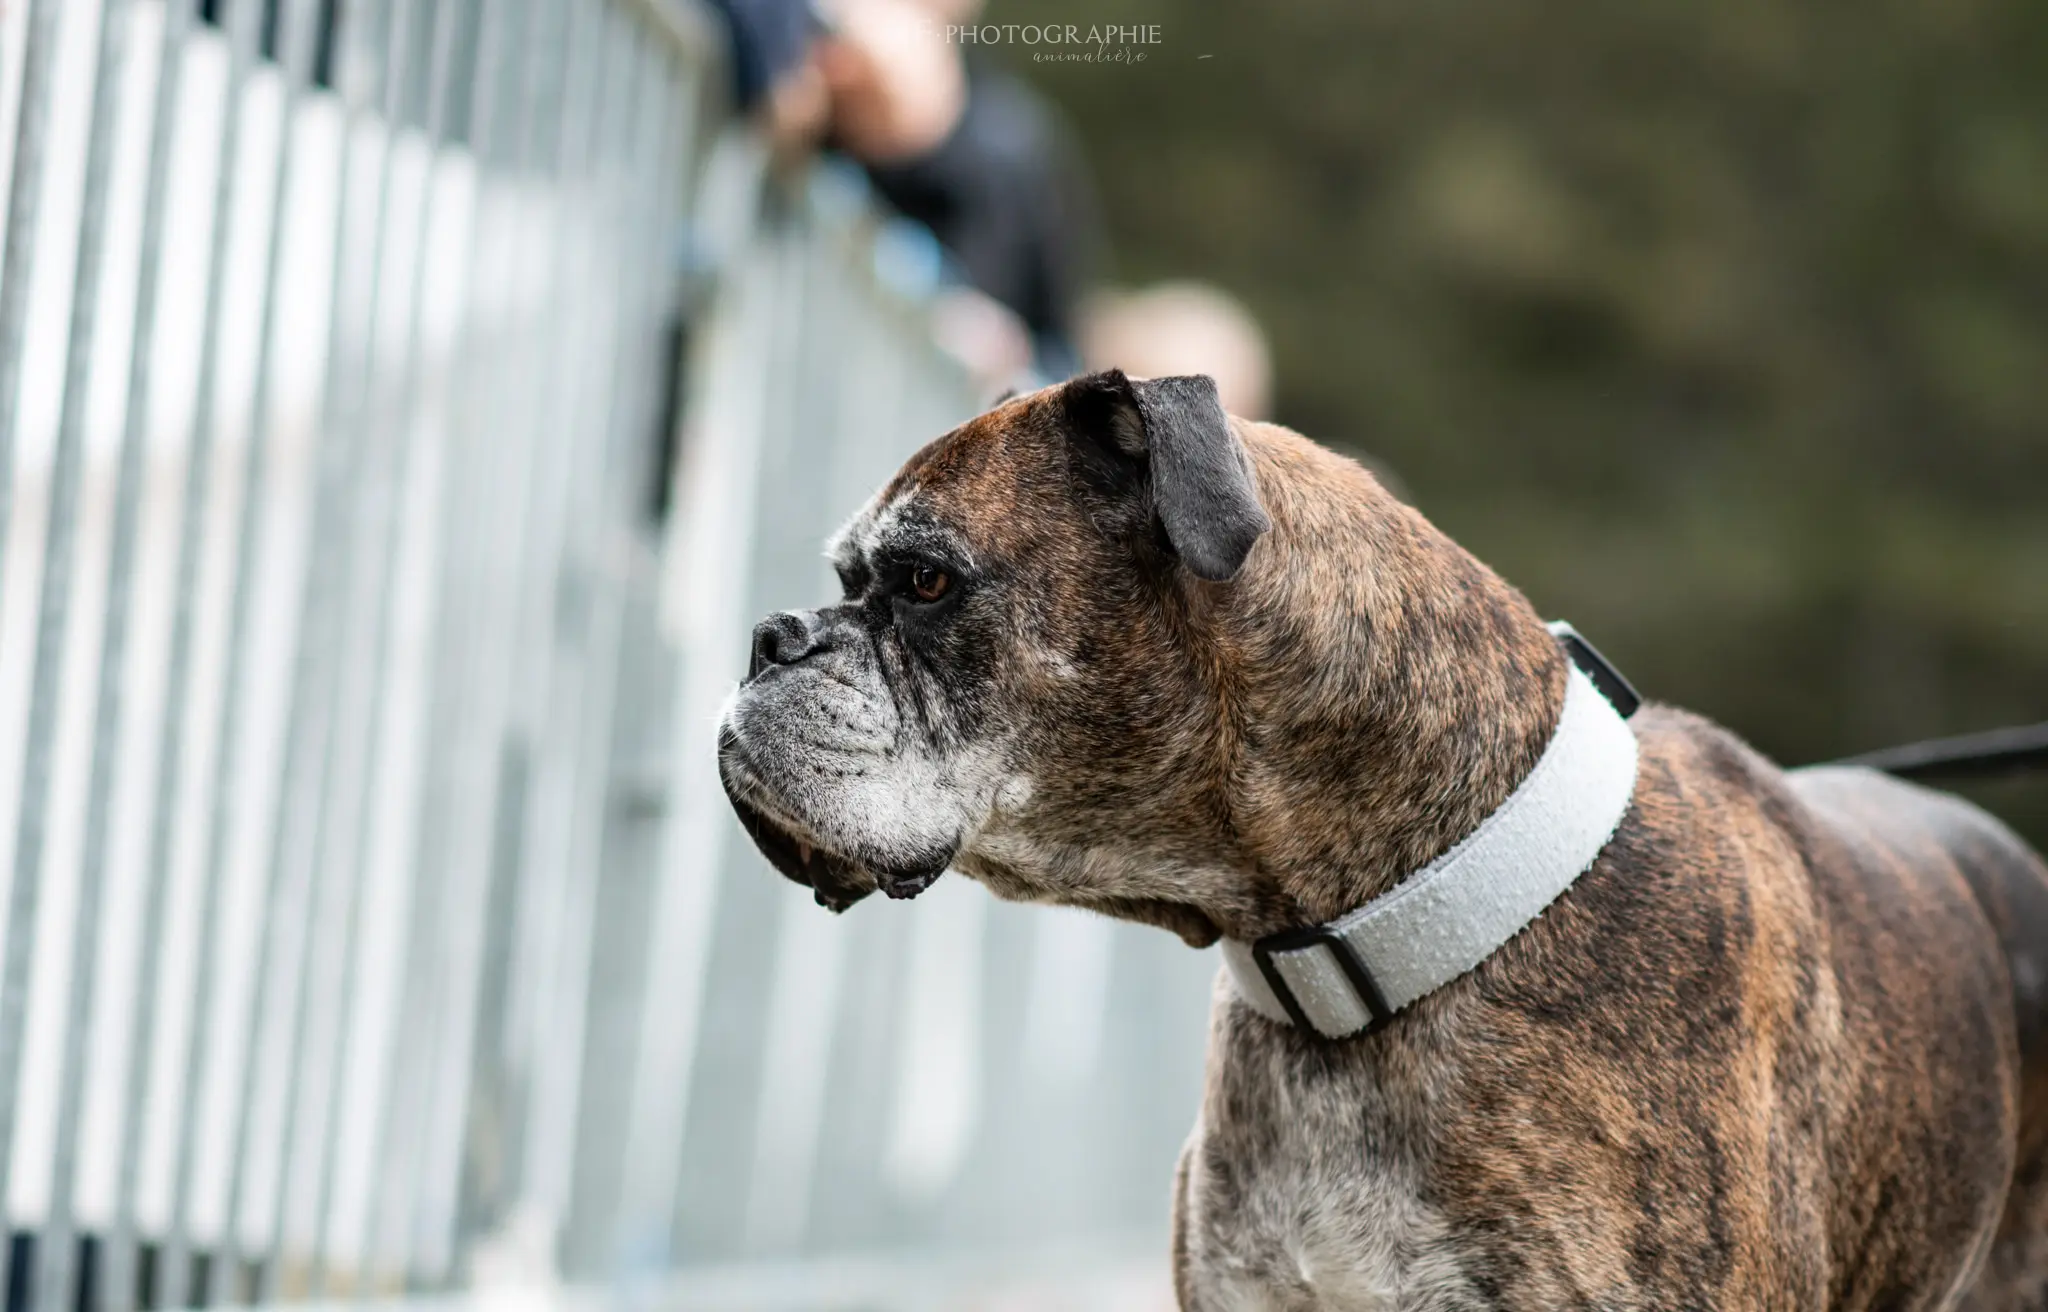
x=1719, y=326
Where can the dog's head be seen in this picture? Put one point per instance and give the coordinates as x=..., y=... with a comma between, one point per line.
x=1072, y=662
x=999, y=644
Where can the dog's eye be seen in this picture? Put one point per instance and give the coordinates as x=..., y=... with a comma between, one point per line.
x=929, y=582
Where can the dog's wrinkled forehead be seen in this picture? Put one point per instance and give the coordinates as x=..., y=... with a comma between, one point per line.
x=902, y=522
x=1103, y=458
x=949, y=500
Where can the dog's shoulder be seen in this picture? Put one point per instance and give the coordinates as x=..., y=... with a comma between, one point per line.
x=1783, y=968
x=1700, y=1072
x=1697, y=915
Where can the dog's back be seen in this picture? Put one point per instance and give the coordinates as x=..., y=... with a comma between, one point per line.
x=1926, y=836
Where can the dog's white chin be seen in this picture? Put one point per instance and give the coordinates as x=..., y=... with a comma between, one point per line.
x=899, y=811
x=881, y=809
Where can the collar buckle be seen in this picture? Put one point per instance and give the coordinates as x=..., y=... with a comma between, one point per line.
x=1612, y=683
x=1348, y=961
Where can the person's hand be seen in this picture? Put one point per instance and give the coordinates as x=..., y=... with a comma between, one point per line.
x=896, y=85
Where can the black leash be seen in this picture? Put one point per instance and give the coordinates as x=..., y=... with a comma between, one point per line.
x=1969, y=756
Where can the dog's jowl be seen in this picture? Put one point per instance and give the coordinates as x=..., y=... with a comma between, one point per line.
x=1526, y=1005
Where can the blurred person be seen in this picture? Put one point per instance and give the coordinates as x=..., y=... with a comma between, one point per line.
x=970, y=152
x=897, y=88
x=1182, y=328
x=768, y=57
x=1187, y=327
x=987, y=339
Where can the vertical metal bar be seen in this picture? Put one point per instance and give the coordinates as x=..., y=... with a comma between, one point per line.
x=673, y=110
x=290, y=884
x=373, y=449
x=490, y=760
x=117, y=1287
x=568, y=621
x=242, y=21
x=440, y=54
x=646, y=281
x=24, y=210
x=544, y=687
x=407, y=1097
x=55, y=1247
x=675, y=126
x=243, y=25
x=501, y=1084
x=612, y=858
x=429, y=899
x=599, y=540
x=16, y=268
x=366, y=531
x=459, y=777
x=295, y=45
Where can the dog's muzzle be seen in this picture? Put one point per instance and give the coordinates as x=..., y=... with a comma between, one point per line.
x=781, y=642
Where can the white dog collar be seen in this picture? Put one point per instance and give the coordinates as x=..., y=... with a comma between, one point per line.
x=1356, y=972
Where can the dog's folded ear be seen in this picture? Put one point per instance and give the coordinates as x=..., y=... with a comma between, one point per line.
x=1201, y=477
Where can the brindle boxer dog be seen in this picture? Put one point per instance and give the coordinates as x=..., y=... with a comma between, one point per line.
x=1781, y=1046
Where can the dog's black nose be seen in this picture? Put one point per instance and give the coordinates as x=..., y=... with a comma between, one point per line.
x=783, y=639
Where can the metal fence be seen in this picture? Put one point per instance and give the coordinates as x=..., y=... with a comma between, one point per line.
x=405, y=408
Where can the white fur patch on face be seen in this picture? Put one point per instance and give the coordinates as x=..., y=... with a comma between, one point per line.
x=868, y=527
x=1052, y=663
x=1015, y=793
x=895, y=528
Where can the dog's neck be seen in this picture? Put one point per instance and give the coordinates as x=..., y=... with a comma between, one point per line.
x=1436, y=689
